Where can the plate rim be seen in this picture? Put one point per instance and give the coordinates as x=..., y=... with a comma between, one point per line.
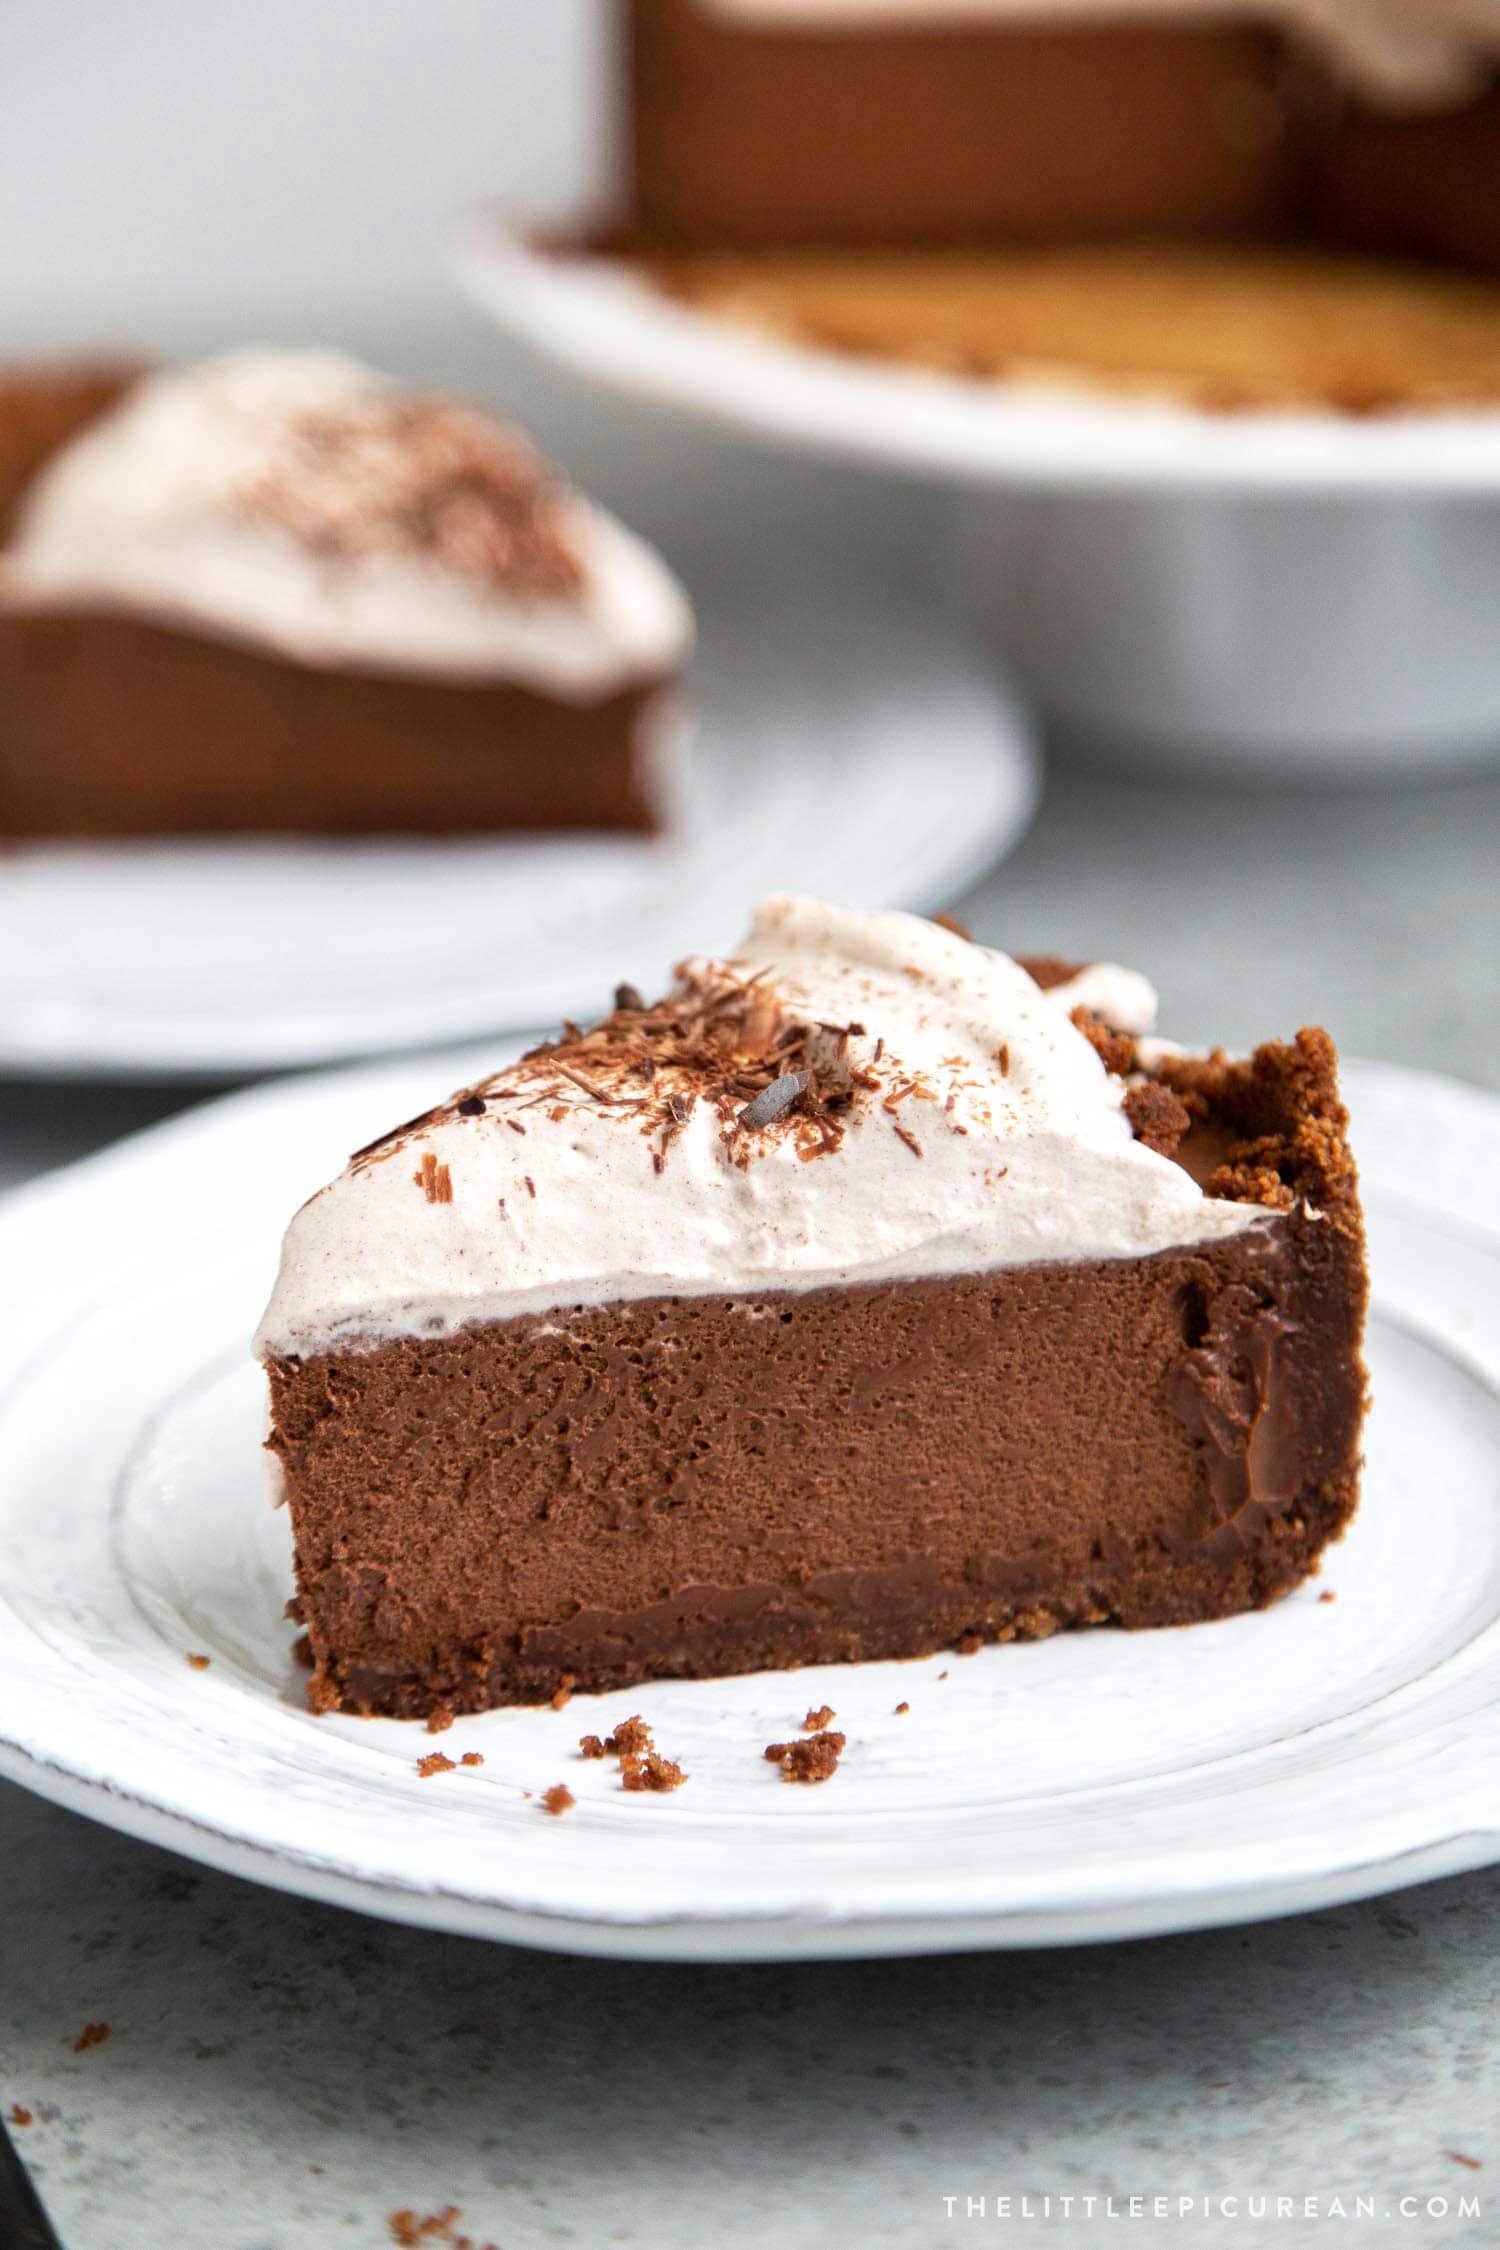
x=1469, y=1838
x=629, y=339
x=810, y=1935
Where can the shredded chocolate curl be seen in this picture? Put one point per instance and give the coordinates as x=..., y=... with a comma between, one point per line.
x=773, y=1099
x=723, y=1038
x=434, y=1179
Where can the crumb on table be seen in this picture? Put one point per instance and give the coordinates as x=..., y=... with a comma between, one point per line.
x=434, y=1762
x=558, y=1799
x=817, y=1720
x=410, y=2228
x=92, y=2035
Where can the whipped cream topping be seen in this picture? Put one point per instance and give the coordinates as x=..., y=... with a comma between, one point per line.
x=300, y=501
x=852, y=1098
x=1398, y=52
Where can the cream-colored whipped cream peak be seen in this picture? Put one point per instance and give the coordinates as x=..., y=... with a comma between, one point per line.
x=958, y=1122
x=297, y=500
x=1416, y=52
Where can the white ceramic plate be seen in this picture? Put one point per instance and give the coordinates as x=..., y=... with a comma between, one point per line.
x=1098, y=1785
x=593, y=315
x=844, y=742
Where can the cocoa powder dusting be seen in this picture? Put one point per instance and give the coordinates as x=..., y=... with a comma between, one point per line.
x=420, y=476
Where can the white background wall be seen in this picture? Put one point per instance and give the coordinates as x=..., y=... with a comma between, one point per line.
x=181, y=175
x=167, y=163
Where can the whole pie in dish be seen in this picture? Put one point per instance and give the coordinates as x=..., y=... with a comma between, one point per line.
x=1240, y=203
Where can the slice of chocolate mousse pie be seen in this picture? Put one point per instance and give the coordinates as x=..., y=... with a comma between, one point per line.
x=276, y=592
x=870, y=1291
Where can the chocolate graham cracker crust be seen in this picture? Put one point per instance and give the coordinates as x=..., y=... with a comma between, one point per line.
x=680, y=1485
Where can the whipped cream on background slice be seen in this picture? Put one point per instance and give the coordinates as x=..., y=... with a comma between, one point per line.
x=993, y=1164
x=154, y=509
x=1417, y=52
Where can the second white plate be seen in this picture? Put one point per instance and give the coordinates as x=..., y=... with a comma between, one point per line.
x=844, y=742
x=1097, y=1785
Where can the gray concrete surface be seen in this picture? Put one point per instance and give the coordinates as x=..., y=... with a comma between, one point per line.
x=285, y=2076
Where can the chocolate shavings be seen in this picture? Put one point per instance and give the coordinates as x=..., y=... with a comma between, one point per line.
x=770, y=1102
